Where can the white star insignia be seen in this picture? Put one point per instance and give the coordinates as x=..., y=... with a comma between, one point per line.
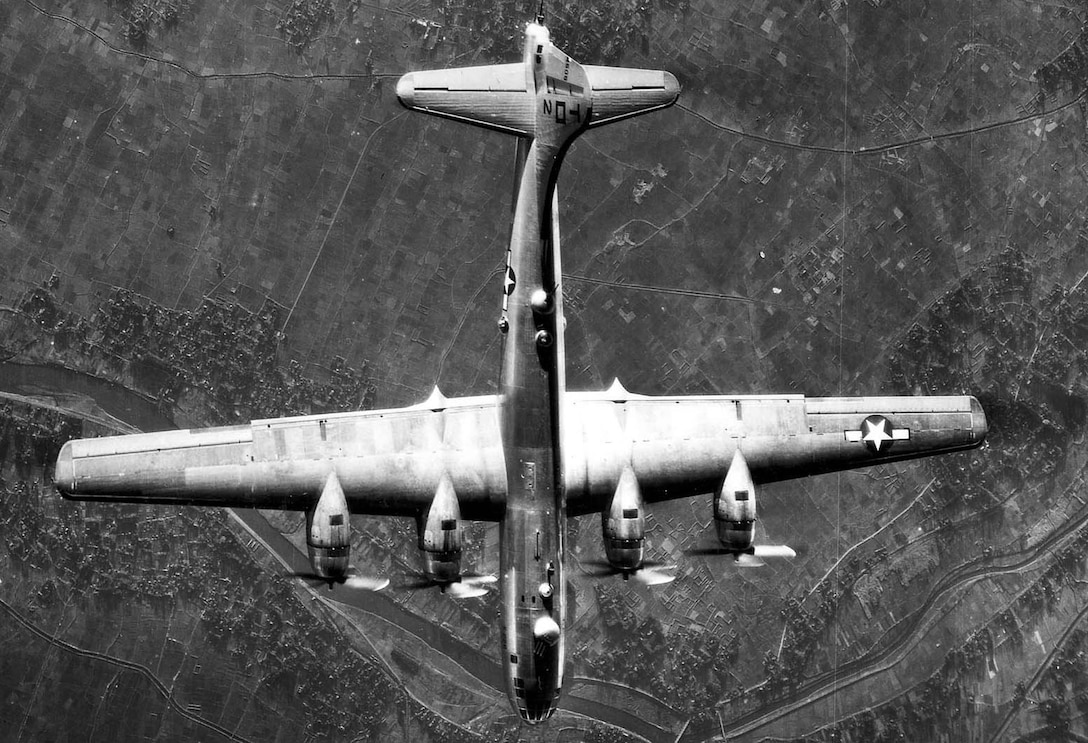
x=876, y=433
x=509, y=282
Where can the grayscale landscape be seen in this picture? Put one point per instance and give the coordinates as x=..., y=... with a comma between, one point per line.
x=212, y=212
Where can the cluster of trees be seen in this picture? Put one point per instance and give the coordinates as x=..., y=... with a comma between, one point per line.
x=222, y=349
x=302, y=20
x=1025, y=356
x=601, y=33
x=250, y=615
x=70, y=553
x=687, y=668
x=1068, y=71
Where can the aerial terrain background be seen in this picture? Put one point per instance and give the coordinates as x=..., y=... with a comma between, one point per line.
x=216, y=211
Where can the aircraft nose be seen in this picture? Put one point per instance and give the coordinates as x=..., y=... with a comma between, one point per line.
x=406, y=90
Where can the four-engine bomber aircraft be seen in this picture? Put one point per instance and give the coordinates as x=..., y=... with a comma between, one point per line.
x=534, y=453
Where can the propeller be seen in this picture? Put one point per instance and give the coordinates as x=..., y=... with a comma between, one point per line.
x=352, y=580
x=749, y=558
x=471, y=585
x=650, y=573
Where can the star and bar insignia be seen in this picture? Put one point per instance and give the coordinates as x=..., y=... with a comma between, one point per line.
x=877, y=434
x=509, y=281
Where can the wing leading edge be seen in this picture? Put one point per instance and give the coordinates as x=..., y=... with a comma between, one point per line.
x=391, y=461
x=682, y=446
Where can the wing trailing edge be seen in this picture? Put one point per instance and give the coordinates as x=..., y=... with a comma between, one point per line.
x=492, y=96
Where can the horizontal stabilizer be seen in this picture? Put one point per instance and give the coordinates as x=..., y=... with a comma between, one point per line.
x=621, y=92
x=491, y=96
x=500, y=97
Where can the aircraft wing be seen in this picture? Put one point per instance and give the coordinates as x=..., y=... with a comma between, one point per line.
x=392, y=461
x=387, y=461
x=622, y=92
x=683, y=446
x=491, y=96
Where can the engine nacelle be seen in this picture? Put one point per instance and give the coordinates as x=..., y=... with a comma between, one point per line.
x=735, y=507
x=441, y=536
x=328, y=532
x=623, y=525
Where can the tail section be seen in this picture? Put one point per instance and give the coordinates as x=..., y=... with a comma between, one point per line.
x=547, y=91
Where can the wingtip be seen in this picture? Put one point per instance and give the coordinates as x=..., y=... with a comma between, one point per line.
x=672, y=86
x=64, y=474
x=406, y=90
x=979, y=425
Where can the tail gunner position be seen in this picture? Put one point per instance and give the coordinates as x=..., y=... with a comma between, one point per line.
x=533, y=453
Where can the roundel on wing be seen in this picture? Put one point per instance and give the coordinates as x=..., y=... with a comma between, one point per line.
x=876, y=433
x=509, y=282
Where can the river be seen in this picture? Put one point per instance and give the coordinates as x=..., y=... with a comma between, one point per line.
x=79, y=393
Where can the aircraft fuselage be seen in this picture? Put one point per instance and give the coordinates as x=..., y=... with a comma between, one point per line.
x=532, y=389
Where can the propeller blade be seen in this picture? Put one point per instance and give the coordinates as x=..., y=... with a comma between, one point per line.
x=758, y=551
x=598, y=569
x=655, y=576
x=366, y=582
x=470, y=585
x=353, y=580
x=314, y=578
x=464, y=590
x=745, y=560
x=650, y=573
x=418, y=581
x=474, y=579
x=707, y=551
x=773, y=550
x=657, y=564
